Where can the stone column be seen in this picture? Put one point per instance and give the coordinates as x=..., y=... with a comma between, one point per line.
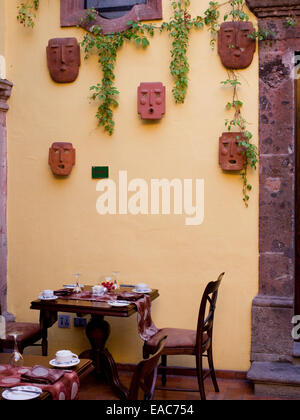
x=274, y=369
x=5, y=92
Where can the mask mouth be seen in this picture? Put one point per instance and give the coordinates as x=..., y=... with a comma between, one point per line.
x=61, y=166
x=151, y=111
x=232, y=162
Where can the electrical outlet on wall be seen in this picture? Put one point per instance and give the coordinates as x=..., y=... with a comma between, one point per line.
x=80, y=322
x=64, y=321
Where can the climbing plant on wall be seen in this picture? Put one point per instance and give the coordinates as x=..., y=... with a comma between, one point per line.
x=107, y=47
x=26, y=12
x=179, y=28
x=236, y=13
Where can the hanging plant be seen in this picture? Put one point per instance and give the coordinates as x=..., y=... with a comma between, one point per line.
x=239, y=124
x=107, y=47
x=179, y=28
x=26, y=15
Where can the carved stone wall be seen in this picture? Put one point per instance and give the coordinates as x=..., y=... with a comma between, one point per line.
x=272, y=354
x=5, y=92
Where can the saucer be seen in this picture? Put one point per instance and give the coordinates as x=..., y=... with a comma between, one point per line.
x=48, y=298
x=22, y=393
x=142, y=290
x=119, y=303
x=73, y=362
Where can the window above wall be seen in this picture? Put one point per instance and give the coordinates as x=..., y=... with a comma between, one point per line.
x=112, y=9
x=113, y=15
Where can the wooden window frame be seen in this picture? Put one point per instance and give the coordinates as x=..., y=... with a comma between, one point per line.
x=72, y=13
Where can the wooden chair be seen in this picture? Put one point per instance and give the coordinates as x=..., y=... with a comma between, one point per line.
x=30, y=334
x=145, y=375
x=189, y=342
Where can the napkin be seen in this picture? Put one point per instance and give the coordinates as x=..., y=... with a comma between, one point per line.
x=130, y=296
x=42, y=375
x=63, y=292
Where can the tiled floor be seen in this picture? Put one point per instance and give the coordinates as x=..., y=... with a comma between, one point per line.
x=92, y=388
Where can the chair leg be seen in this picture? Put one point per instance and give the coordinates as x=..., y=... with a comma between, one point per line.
x=164, y=373
x=44, y=347
x=199, y=366
x=212, y=369
x=145, y=353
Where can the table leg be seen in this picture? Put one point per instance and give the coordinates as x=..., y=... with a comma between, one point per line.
x=98, y=331
x=47, y=319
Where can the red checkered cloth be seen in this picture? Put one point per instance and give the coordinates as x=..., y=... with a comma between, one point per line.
x=60, y=384
x=146, y=326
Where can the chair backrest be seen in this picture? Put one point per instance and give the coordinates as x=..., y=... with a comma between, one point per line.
x=144, y=377
x=206, y=317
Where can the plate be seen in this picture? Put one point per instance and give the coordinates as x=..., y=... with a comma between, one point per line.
x=72, y=286
x=119, y=303
x=142, y=291
x=22, y=393
x=73, y=362
x=48, y=298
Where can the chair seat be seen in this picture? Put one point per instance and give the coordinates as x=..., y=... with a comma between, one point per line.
x=176, y=337
x=30, y=332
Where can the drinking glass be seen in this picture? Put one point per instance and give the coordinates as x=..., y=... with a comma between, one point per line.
x=115, y=279
x=77, y=288
x=16, y=358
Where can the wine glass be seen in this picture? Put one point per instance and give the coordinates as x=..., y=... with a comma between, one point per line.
x=77, y=288
x=16, y=358
x=115, y=275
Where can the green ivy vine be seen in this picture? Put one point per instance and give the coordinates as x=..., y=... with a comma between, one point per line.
x=179, y=28
x=107, y=47
x=26, y=15
x=238, y=122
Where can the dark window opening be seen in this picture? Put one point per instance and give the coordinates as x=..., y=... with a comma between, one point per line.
x=112, y=9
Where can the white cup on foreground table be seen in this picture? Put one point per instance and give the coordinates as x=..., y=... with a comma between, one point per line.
x=65, y=356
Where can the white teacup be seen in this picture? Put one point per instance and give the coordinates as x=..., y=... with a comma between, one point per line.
x=142, y=286
x=65, y=356
x=47, y=294
x=99, y=290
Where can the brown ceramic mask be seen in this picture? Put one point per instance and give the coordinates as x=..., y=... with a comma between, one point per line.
x=61, y=158
x=231, y=156
x=151, y=101
x=235, y=47
x=63, y=57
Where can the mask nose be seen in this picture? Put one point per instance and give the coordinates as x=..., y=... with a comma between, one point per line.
x=151, y=99
x=231, y=153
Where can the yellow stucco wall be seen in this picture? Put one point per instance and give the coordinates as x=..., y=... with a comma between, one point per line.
x=2, y=39
x=53, y=227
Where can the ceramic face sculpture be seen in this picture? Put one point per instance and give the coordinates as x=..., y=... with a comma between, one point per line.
x=63, y=57
x=61, y=158
x=235, y=47
x=151, y=101
x=231, y=156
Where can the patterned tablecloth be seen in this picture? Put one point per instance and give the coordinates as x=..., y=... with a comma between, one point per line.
x=66, y=387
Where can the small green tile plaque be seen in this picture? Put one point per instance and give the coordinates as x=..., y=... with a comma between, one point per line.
x=99, y=172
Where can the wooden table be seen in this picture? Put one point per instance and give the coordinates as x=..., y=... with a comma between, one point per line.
x=83, y=368
x=97, y=330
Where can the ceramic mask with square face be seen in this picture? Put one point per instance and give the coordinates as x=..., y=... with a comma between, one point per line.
x=235, y=47
x=151, y=101
x=61, y=158
x=63, y=58
x=231, y=156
